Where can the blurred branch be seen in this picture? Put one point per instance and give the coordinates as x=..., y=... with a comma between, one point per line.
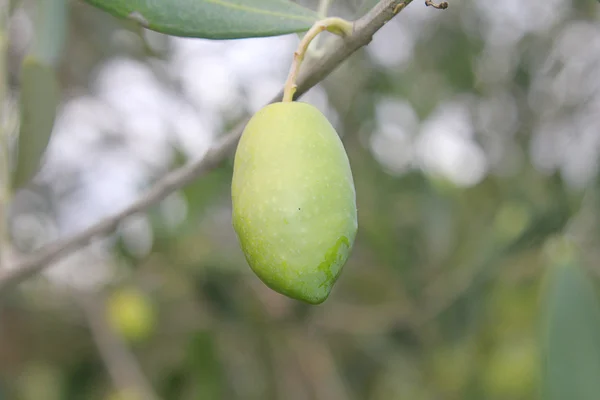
x=364, y=29
x=4, y=122
x=447, y=290
x=318, y=364
x=120, y=363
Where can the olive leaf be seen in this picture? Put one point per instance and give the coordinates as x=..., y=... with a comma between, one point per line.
x=571, y=345
x=39, y=101
x=214, y=19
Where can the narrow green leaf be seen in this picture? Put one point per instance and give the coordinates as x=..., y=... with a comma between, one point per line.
x=571, y=345
x=214, y=19
x=39, y=101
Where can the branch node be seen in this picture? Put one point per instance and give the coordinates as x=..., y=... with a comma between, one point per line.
x=399, y=7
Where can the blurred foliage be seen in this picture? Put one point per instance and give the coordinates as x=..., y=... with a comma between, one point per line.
x=571, y=347
x=445, y=295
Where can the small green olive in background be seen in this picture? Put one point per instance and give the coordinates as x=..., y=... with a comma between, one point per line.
x=294, y=202
x=130, y=313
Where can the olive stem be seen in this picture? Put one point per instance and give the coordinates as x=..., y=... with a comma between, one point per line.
x=334, y=25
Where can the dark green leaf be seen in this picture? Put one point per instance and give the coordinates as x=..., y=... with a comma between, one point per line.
x=39, y=101
x=214, y=19
x=571, y=362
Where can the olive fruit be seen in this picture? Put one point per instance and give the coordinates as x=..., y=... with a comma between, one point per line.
x=294, y=202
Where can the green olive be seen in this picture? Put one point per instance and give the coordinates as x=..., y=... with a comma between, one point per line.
x=294, y=202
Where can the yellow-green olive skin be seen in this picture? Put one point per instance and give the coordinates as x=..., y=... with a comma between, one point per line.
x=294, y=202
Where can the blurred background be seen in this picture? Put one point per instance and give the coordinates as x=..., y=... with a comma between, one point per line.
x=474, y=139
